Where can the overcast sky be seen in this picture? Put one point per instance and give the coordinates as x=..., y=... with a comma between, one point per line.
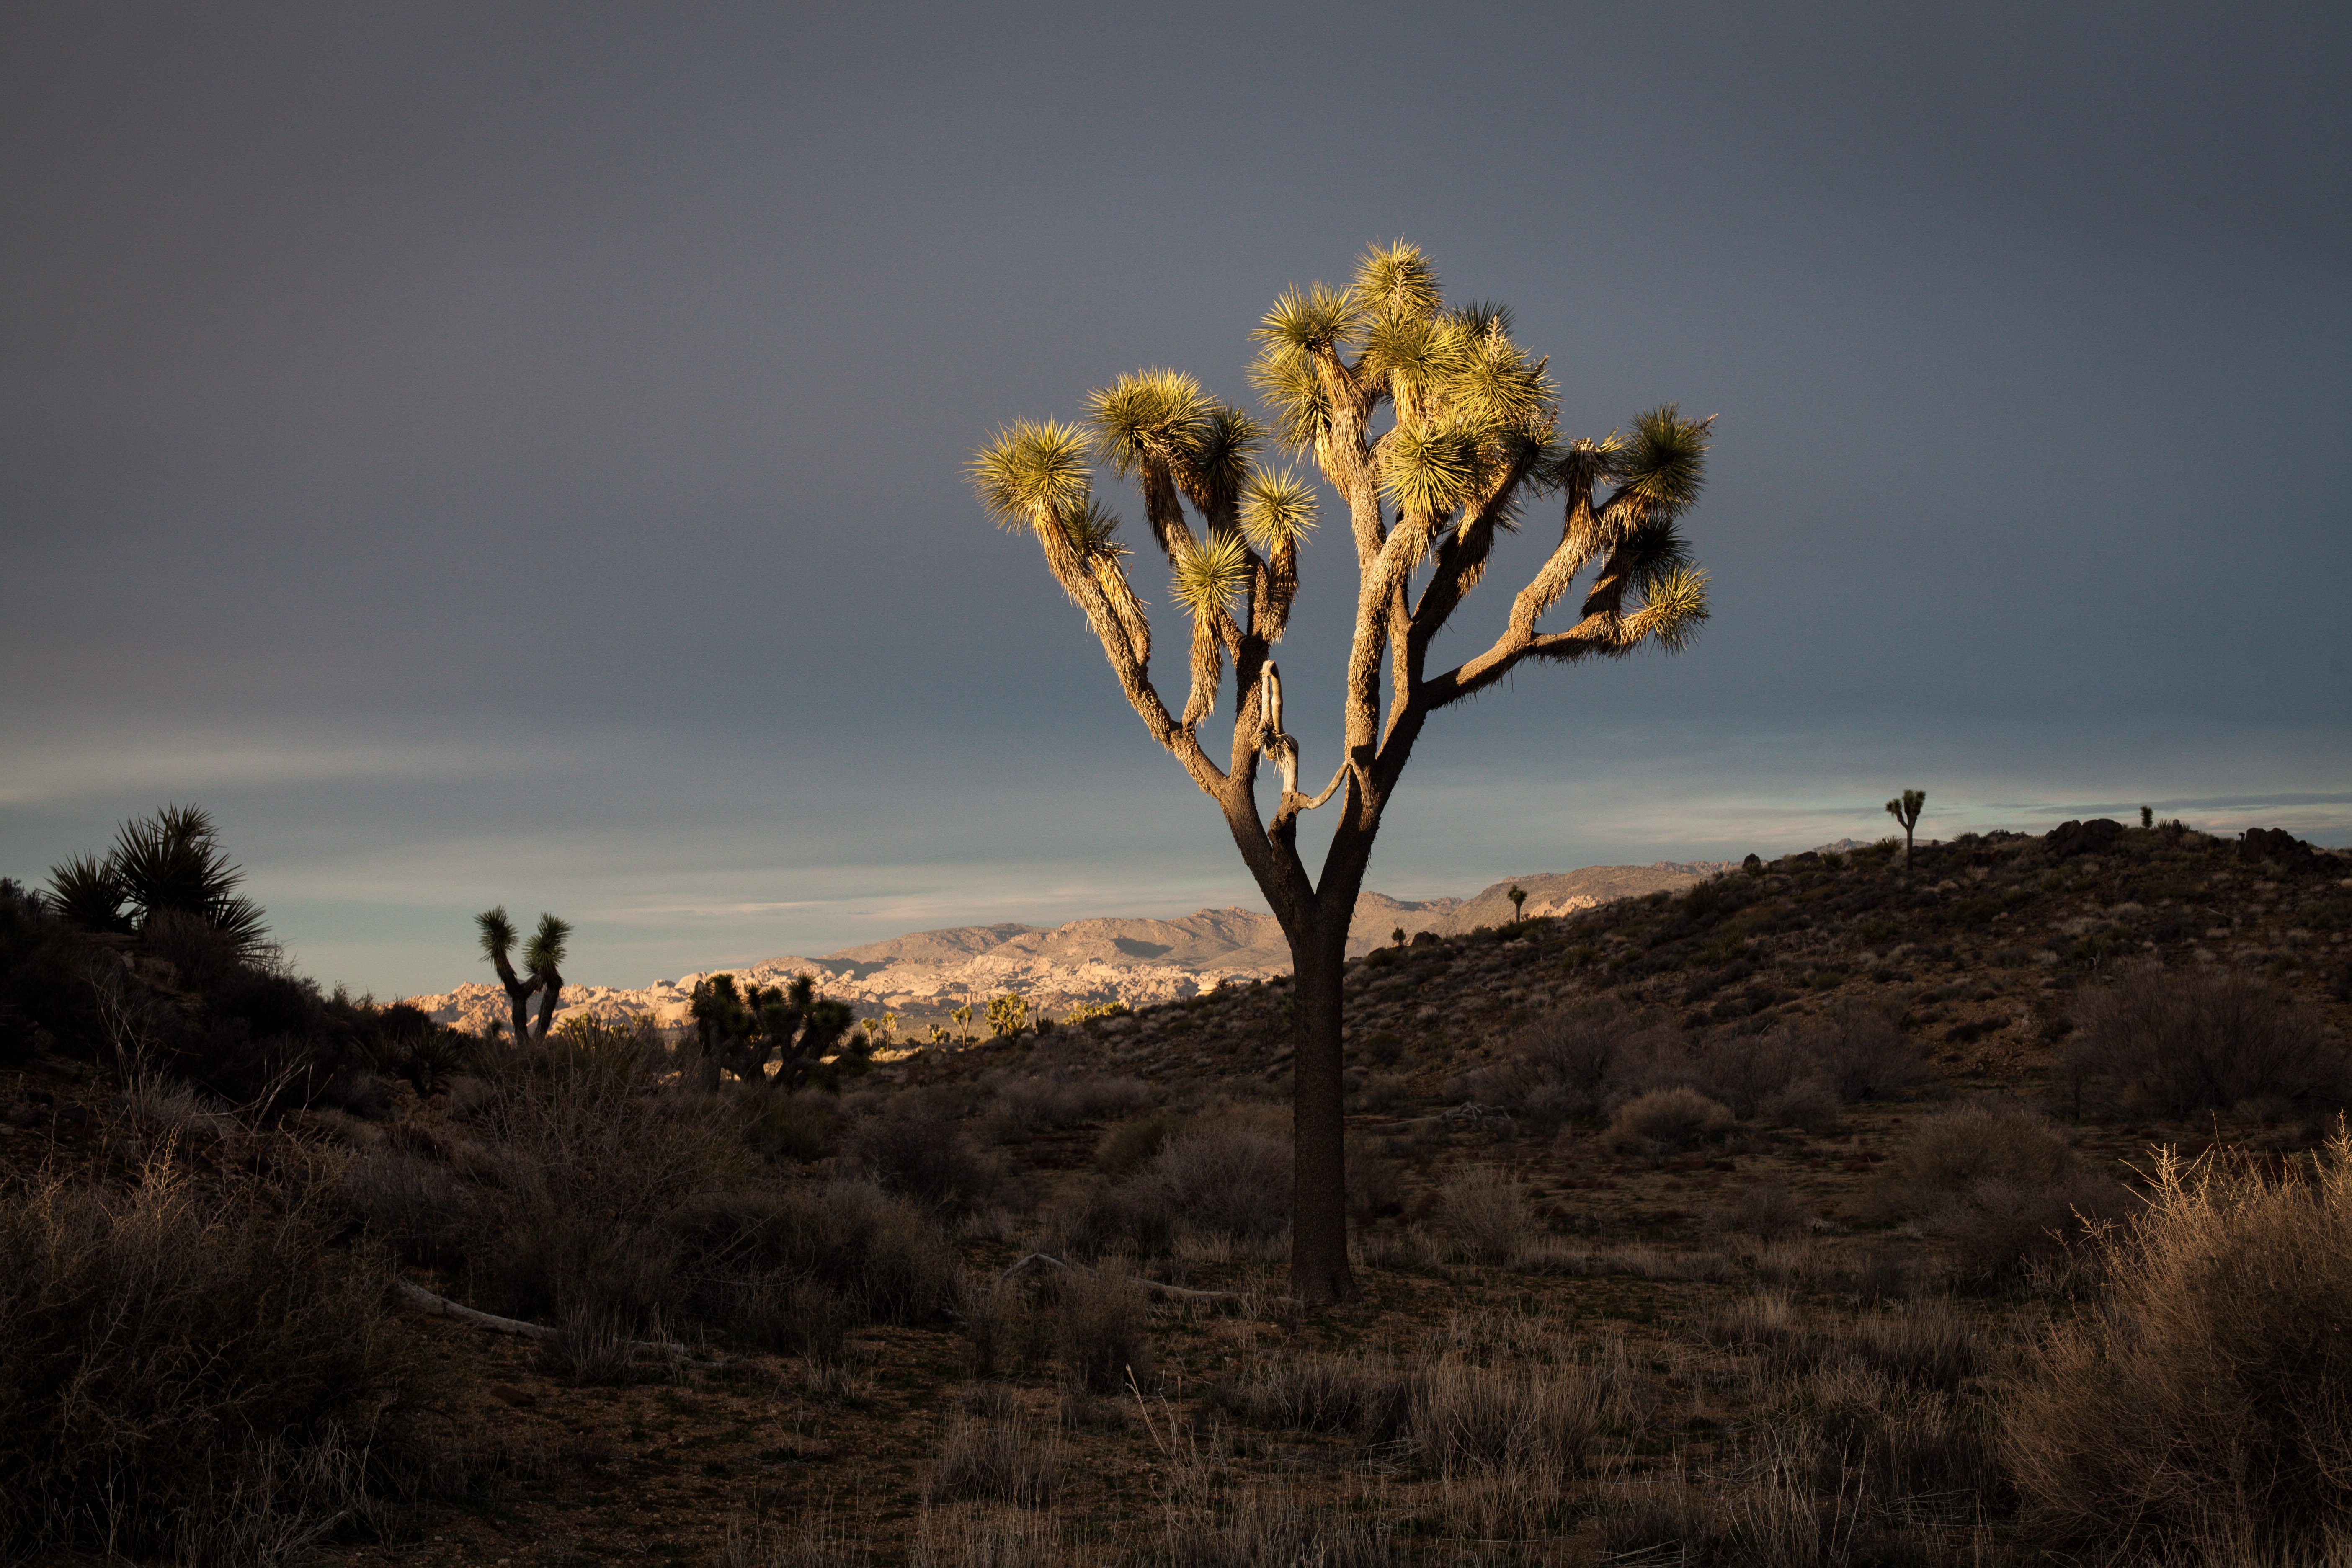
x=514, y=453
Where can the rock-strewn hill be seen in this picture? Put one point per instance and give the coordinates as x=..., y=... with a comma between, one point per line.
x=923, y=976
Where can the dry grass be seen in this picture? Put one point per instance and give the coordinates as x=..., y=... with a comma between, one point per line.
x=2207, y=1398
x=215, y=1382
x=1006, y=1462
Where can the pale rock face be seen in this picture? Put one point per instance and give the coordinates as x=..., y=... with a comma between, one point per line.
x=922, y=977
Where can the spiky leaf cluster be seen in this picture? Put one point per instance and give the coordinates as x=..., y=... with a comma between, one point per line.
x=812, y=1039
x=170, y=862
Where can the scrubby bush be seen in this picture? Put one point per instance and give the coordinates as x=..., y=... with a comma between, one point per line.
x=1028, y=1105
x=1227, y=1174
x=1995, y=1179
x=1665, y=1120
x=1760, y=1074
x=2204, y=1402
x=1767, y=1210
x=1556, y=1068
x=1133, y=1142
x=874, y=1252
x=1863, y=1051
x=1099, y=1323
x=182, y=1376
x=917, y=1149
x=1486, y=1212
x=2176, y=1044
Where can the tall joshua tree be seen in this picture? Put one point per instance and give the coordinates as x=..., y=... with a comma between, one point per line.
x=1473, y=439
x=544, y=951
x=1904, y=809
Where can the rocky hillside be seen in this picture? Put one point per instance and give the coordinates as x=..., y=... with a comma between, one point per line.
x=1977, y=952
x=923, y=976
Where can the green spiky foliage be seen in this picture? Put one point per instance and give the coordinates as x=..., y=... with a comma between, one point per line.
x=812, y=1039
x=170, y=863
x=1008, y=1014
x=1471, y=443
x=86, y=891
x=1518, y=897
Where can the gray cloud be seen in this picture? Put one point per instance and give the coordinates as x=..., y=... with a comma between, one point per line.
x=478, y=450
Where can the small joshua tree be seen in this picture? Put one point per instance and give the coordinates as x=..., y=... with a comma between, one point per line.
x=2146, y=818
x=1397, y=936
x=1007, y=1015
x=1518, y=897
x=1904, y=809
x=541, y=976
x=497, y=933
x=813, y=1039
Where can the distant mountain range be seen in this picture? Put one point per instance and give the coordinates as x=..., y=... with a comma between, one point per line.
x=922, y=976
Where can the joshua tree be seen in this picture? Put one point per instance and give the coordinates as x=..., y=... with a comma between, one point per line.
x=1904, y=809
x=540, y=958
x=546, y=951
x=1518, y=897
x=1008, y=1014
x=1397, y=936
x=1475, y=438
x=739, y=1030
x=2146, y=818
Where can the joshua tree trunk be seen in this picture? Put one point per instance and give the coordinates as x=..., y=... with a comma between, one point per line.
x=1319, y=1244
x=551, y=991
x=518, y=995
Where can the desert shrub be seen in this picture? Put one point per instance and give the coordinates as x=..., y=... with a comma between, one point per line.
x=1750, y=1073
x=2174, y=1045
x=1099, y=1323
x=1556, y=1068
x=1485, y=1211
x=1133, y=1142
x=593, y=1160
x=1228, y=1175
x=1095, y=1217
x=1995, y=1179
x=1809, y=1103
x=1862, y=1052
x=925, y=1155
x=1767, y=1210
x=186, y=1377
x=780, y=1126
x=1031, y=1104
x=879, y=1253
x=1666, y=1119
x=1005, y=1330
x=2205, y=1398
x=416, y=1206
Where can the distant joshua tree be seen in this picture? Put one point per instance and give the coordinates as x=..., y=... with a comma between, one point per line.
x=1904, y=809
x=2146, y=818
x=540, y=958
x=1008, y=1014
x=1518, y=897
x=1475, y=436
x=813, y=1039
x=1397, y=936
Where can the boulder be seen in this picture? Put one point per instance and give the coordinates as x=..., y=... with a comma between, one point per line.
x=2291, y=856
x=2069, y=839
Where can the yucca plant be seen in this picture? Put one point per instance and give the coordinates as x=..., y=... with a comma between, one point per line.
x=1474, y=440
x=172, y=863
x=1904, y=809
